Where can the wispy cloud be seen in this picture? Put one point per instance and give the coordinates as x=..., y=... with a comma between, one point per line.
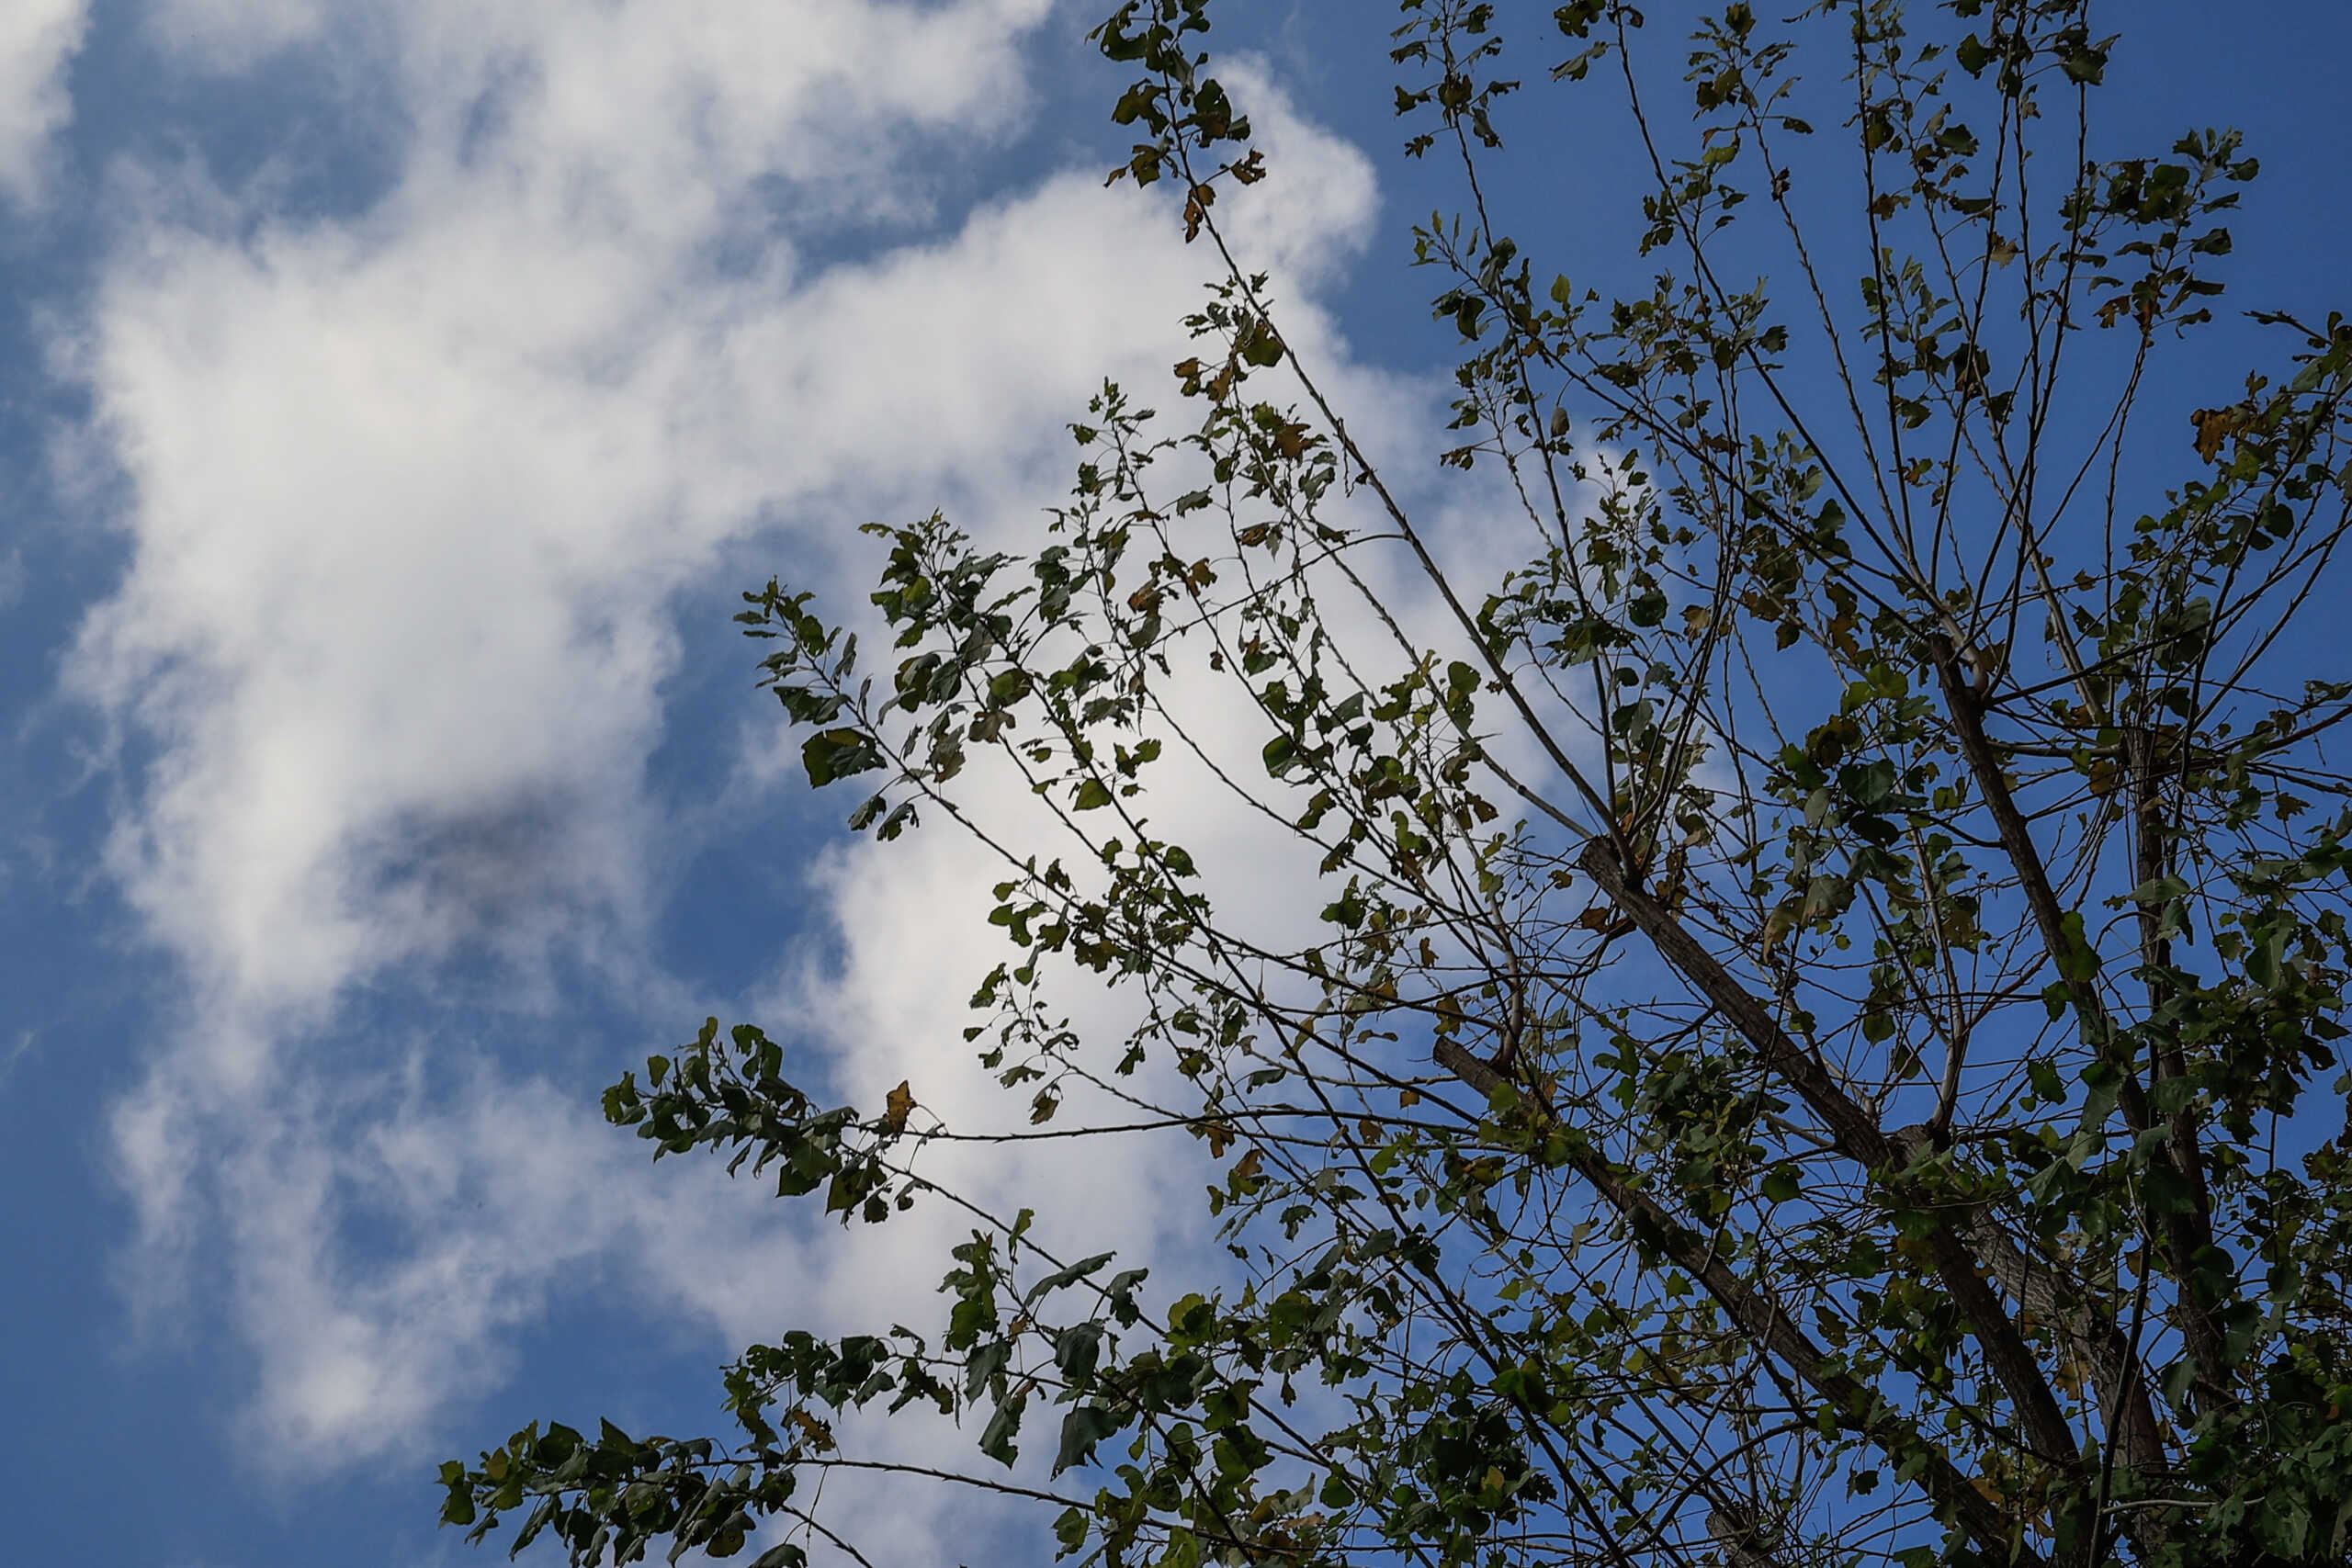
x=415, y=494
x=15, y=1054
x=38, y=40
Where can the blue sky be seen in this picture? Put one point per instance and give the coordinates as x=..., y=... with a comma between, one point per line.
x=394, y=398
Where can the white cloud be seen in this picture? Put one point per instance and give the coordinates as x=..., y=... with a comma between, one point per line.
x=413, y=496
x=38, y=40
x=492, y=1203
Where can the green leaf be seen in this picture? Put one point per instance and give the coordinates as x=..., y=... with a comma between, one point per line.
x=982, y=1367
x=1079, y=1352
x=1069, y=1531
x=838, y=753
x=996, y=1437
x=1576, y=18
x=2084, y=63
x=1082, y=1428
x=1061, y=1278
x=2078, y=963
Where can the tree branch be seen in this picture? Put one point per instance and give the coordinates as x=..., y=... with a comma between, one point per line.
x=1761, y=1318
x=1858, y=1136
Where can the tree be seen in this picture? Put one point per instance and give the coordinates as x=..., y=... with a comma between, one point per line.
x=1816, y=1050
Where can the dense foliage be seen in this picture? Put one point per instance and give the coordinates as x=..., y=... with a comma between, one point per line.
x=1819, y=1045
